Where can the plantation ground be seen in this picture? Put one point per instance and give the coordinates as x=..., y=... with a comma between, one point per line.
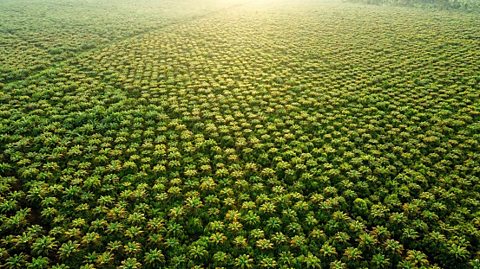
x=261, y=134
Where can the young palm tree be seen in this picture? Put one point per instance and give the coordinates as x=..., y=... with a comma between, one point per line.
x=417, y=258
x=198, y=252
x=217, y=238
x=154, y=258
x=16, y=261
x=38, y=263
x=44, y=245
x=240, y=241
x=66, y=250
x=380, y=261
x=311, y=261
x=268, y=262
x=264, y=244
x=243, y=261
x=104, y=258
x=130, y=263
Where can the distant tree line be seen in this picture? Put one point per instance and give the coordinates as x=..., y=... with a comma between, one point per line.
x=444, y=4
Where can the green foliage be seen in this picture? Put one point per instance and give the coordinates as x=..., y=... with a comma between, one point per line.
x=281, y=135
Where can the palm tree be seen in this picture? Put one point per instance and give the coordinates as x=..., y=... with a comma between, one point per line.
x=286, y=258
x=130, y=263
x=44, y=245
x=67, y=249
x=366, y=240
x=133, y=232
x=220, y=258
x=380, y=261
x=91, y=238
x=216, y=225
x=251, y=218
x=38, y=263
x=273, y=224
x=264, y=244
x=16, y=261
x=104, y=258
x=311, y=261
x=154, y=257
x=132, y=248
x=217, y=238
x=393, y=246
x=268, y=208
x=338, y=265
x=459, y=253
x=198, y=252
x=298, y=241
x=114, y=227
x=267, y=262
x=352, y=255
x=243, y=261
x=114, y=246
x=328, y=251
x=417, y=258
